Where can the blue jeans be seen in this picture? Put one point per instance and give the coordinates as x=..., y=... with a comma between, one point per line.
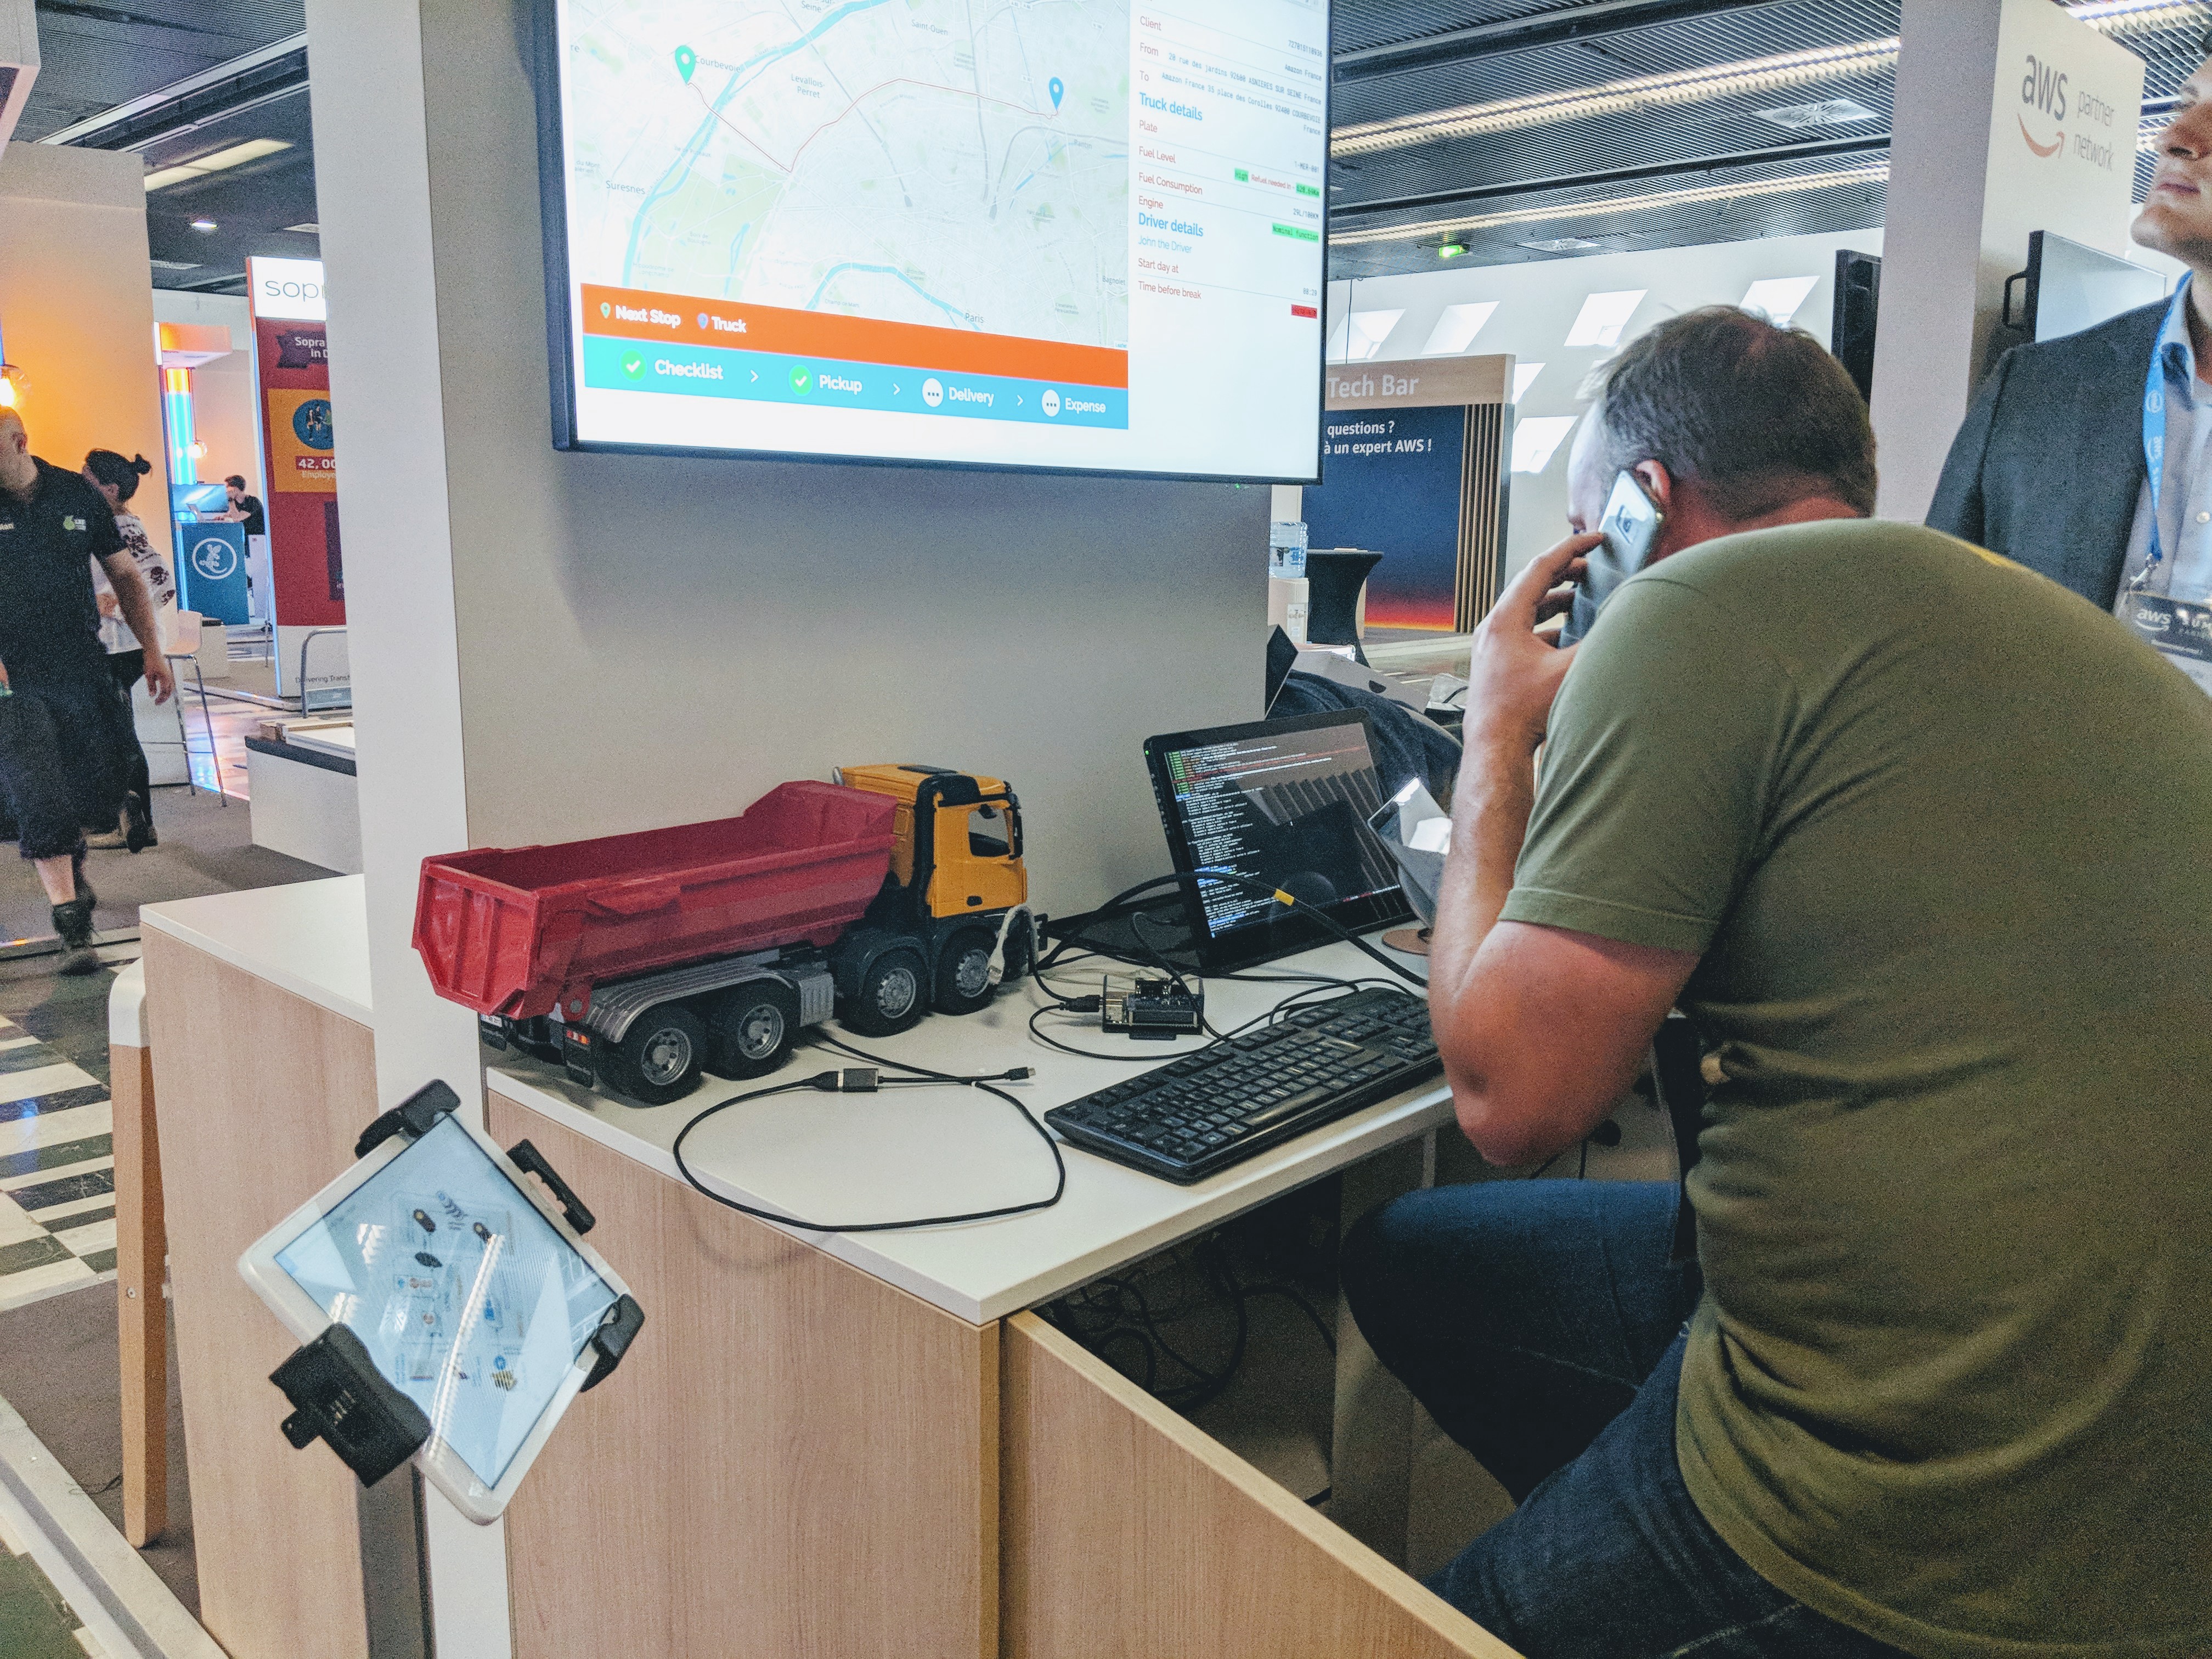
x=1541, y=1324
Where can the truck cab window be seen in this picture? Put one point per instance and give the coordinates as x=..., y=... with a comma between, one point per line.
x=991, y=833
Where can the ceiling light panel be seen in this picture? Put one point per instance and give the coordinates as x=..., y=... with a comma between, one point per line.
x=1827, y=113
x=1524, y=376
x=1537, y=438
x=1456, y=329
x=1365, y=333
x=1602, y=318
x=220, y=161
x=1780, y=297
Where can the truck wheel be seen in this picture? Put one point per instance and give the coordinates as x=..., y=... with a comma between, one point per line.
x=964, y=973
x=751, y=1029
x=658, y=1060
x=892, y=996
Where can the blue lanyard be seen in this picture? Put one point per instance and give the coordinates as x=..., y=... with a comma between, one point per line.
x=2155, y=435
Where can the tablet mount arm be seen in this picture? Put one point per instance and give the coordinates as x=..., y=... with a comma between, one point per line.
x=337, y=1393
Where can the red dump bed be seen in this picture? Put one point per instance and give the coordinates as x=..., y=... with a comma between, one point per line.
x=506, y=930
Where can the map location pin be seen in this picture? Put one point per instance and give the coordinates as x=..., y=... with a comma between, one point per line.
x=1056, y=89
x=686, y=61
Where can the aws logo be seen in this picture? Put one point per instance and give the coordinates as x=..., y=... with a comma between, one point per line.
x=2044, y=90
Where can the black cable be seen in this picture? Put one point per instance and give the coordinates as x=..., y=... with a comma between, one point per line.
x=1299, y=906
x=1233, y=879
x=1296, y=1296
x=921, y=1074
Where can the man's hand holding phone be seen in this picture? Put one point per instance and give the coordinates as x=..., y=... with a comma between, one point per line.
x=1515, y=671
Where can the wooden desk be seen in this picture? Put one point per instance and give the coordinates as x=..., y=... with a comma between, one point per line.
x=861, y=1444
x=258, y=1005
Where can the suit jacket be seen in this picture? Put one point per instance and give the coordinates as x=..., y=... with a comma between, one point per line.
x=2049, y=466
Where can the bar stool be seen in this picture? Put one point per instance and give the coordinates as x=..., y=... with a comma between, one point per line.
x=187, y=627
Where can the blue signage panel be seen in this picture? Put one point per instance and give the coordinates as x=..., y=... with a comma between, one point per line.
x=1391, y=482
x=211, y=571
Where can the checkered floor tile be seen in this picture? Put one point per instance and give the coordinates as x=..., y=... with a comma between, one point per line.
x=56, y=1173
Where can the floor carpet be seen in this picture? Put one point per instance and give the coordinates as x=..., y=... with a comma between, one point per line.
x=206, y=847
x=61, y=1366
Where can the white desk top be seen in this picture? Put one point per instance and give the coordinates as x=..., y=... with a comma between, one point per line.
x=910, y=1152
x=310, y=938
x=328, y=737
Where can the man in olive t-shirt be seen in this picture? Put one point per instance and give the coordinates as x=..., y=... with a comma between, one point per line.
x=1915, y=839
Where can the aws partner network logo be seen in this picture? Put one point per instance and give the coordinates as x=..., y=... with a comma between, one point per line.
x=2046, y=92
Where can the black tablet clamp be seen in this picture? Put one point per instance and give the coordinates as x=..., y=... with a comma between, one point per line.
x=337, y=1393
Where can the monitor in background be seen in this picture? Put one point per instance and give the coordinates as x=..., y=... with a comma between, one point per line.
x=1857, y=312
x=2071, y=288
x=1056, y=236
x=1282, y=802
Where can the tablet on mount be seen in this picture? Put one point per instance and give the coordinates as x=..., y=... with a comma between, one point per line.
x=450, y=1315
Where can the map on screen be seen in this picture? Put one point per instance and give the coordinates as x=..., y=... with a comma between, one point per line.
x=1070, y=233
x=808, y=167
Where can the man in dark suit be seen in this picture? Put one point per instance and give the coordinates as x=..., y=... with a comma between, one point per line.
x=2049, y=469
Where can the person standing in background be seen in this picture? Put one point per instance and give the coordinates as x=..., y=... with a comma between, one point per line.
x=2051, y=467
x=57, y=761
x=117, y=480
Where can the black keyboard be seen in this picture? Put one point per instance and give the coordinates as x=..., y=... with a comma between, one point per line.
x=1202, y=1113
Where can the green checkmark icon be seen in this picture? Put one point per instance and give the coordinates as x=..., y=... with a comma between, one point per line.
x=633, y=364
x=800, y=380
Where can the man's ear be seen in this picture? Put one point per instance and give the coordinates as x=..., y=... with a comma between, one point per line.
x=1658, y=484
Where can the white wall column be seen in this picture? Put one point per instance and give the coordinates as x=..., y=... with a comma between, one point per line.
x=372, y=187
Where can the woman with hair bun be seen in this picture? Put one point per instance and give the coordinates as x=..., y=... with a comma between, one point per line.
x=117, y=480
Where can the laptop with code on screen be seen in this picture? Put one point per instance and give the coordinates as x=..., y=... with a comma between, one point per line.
x=1284, y=802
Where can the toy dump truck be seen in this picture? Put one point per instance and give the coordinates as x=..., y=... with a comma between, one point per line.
x=639, y=960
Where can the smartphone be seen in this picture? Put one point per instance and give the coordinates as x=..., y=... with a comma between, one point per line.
x=1631, y=526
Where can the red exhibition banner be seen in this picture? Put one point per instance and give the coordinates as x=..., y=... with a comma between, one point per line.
x=298, y=451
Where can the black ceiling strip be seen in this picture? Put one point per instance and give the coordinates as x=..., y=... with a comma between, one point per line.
x=1590, y=21
x=181, y=124
x=1742, y=158
x=281, y=77
x=126, y=19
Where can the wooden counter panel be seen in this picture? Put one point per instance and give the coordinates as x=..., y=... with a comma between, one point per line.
x=795, y=1459
x=260, y=1096
x=1130, y=1535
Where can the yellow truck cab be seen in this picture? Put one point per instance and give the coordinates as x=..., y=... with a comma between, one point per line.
x=962, y=834
x=953, y=921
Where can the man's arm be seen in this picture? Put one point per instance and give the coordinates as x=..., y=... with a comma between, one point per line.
x=138, y=607
x=1540, y=1028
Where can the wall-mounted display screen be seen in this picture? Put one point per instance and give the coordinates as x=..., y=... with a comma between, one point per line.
x=1082, y=235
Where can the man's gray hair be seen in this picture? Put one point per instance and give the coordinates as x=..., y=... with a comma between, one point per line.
x=1756, y=415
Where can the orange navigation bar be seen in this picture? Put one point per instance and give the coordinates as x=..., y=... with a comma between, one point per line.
x=642, y=314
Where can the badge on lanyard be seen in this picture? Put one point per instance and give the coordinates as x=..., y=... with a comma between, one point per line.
x=2153, y=437
x=2182, y=633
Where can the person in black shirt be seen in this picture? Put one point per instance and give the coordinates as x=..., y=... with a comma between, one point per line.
x=245, y=507
x=59, y=745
